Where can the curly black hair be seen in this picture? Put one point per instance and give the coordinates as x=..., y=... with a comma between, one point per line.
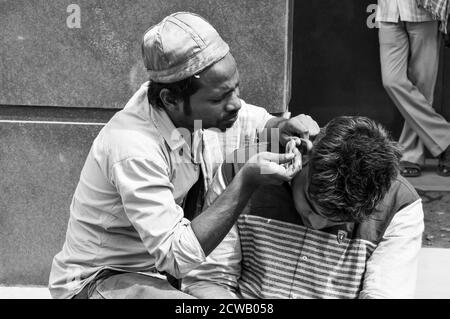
x=352, y=166
x=182, y=89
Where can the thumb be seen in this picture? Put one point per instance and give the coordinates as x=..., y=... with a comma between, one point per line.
x=281, y=158
x=277, y=158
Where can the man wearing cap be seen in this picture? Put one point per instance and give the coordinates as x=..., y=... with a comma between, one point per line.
x=128, y=225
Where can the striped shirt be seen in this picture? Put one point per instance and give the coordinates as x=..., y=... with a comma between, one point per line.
x=270, y=253
x=401, y=10
x=284, y=260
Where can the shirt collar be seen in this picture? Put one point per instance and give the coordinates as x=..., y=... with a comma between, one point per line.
x=167, y=129
x=309, y=212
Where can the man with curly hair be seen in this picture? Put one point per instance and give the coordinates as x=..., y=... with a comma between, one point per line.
x=348, y=226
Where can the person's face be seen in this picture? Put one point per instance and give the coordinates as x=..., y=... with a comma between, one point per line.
x=217, y=102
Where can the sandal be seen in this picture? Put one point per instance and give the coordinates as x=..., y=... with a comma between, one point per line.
x=409, y=169
x=444, y=163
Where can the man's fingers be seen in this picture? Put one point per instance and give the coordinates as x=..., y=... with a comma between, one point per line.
x=276, y=157
x=305, y=126
x=304, y=145
x=299, y=128
x=284, y=158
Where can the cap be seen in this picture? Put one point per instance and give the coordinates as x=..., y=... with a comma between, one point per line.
x=180, y=46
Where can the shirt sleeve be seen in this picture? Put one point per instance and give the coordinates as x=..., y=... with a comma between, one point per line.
x=147, y=198
x=391, y=271
x=217, y=277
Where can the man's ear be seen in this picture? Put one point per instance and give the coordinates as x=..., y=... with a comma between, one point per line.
x=169, y=101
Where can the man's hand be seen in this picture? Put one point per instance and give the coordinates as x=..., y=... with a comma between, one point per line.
x=302, y=126
x=266, y=169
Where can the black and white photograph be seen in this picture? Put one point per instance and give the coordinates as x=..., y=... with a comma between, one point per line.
x=224, y=154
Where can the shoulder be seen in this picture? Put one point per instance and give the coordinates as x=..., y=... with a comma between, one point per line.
x=400, y=194
x=398, y=199
x=128, y=135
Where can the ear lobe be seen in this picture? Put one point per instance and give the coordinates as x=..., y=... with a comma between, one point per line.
x=167, y=98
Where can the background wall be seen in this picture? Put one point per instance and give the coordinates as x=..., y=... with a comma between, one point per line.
x=336, y=64
x=65, y=68
x=86, y=53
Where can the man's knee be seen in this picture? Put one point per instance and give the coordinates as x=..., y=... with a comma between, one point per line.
x=137, y=286
x=392, y=83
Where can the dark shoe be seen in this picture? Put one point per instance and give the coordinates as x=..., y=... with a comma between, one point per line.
x=444, y=163
x=409, y=169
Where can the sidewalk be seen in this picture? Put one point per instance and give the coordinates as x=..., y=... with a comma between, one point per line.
x=24, y=293
x=433, y=280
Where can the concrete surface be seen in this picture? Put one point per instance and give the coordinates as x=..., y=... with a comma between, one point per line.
x=45, y=62
x=429, y=181
x=40, y=165
x=24, y=292
x=433, y=280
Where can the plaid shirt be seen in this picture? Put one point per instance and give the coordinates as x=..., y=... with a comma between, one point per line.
x=440, y=9
x=401, y=10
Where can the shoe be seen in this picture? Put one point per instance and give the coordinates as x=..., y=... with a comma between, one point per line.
x=444, y=163
x=409, y=169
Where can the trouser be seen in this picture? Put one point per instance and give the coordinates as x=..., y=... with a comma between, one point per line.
x=110, y=284
x=409, y=54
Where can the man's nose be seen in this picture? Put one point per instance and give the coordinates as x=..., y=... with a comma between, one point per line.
x=234, y=104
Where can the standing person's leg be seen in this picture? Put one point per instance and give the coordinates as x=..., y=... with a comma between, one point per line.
x=423, y=65
x=425, y=42
x=394, y=56
x=432, y=129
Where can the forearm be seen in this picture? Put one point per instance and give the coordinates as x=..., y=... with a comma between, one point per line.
x=211, y=226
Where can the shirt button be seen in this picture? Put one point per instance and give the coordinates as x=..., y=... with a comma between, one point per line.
x=305, y=258
x=196, y=167
x=294, y=296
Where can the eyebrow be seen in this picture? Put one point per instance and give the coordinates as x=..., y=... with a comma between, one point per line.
x=230, y=90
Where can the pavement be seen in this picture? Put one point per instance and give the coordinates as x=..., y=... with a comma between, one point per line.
x=429, y=181
x=433, y=280
x=24, y=292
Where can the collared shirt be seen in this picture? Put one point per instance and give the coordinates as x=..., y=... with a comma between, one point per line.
x=401, y=10
x=264, y=257
x=126, y=212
